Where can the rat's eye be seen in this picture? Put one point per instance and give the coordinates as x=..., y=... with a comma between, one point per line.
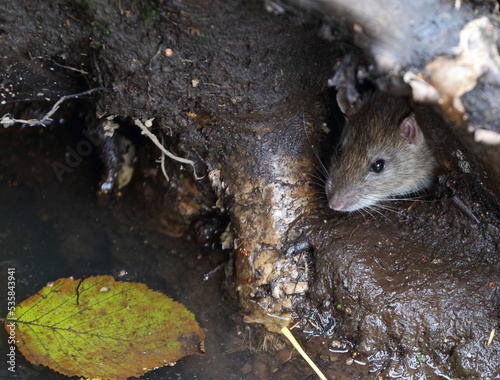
x=339, y=149
x=377, y=166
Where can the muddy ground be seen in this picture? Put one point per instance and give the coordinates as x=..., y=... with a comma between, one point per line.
x=241, y=92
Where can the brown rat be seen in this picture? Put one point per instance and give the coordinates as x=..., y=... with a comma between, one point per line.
x=382, y=153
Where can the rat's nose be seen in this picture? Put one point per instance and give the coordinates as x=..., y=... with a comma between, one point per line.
x=336, y=203
x=344, y=200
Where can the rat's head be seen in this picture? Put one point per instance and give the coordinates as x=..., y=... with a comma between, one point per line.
x=382, y=153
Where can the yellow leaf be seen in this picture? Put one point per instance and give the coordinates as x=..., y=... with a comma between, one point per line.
x=102, y=328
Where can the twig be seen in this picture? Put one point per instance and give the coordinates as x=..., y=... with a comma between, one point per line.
x=286, y=332
x=6, y=120
x=490, y=339
x=154, y=139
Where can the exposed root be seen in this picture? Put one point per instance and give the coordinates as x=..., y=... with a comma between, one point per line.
x=162, y=161
x=7, y=121
x=145, y=131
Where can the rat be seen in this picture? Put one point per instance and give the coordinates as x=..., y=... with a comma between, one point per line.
x=382, y=153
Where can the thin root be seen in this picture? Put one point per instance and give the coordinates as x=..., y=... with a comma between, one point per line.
x=165, y=152
x=6, y=120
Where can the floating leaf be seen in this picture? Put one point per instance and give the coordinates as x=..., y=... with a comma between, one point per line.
x=102, y=328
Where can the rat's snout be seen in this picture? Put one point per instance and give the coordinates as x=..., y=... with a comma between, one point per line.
x=344, y=200
x=336, y=204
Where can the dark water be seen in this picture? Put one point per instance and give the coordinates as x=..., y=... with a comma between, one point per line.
x=51, y=227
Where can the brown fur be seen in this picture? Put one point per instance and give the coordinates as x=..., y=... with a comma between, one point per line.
x=371, y=133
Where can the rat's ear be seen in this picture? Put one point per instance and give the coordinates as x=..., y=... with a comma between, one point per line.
x=410, y=130
x=349, y=103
